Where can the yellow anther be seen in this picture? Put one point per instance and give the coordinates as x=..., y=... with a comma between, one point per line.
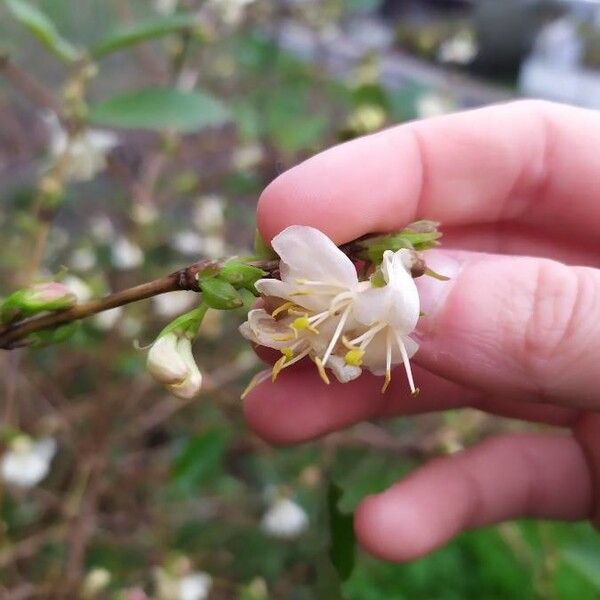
x=386, y=383
x=285, y=306
x=302, y=324
x=288, y=352
x=277, y=367
x=321, y=369
x=354, y=357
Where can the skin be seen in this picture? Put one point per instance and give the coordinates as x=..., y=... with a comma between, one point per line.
x=516, y=331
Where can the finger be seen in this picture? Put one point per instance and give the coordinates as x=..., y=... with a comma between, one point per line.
x=541, y=476
x=528, y=161
x=525, y=240
x=514, y=326
x=299, y=407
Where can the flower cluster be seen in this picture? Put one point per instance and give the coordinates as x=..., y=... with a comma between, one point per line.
x=322, y=310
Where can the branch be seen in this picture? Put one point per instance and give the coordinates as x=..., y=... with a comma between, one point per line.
x=14, y=336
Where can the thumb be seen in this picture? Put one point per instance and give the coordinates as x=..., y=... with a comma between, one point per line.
x=519, y=326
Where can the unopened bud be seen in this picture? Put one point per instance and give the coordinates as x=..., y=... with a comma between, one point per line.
x=240, y=274
x=220, y=294
x=41, y=297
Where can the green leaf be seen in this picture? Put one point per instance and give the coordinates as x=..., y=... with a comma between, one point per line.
x=142, y=31
x=342, y=549
x=199, y=459
x=41, y=27
x=220, y=294
x=261, y=249
x=159, y=109
x=585, y=558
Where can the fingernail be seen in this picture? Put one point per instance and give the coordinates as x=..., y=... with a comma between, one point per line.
x=433, y=292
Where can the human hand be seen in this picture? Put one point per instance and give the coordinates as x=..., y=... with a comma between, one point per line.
x=516, y=331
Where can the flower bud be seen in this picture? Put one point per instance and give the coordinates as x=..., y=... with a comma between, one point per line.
x=220, y=294
x=171, y=362
x=241, y=274
x=40, y=297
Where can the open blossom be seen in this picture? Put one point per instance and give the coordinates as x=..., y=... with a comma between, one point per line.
x=324, y=312
x=27, y=462
x=171, y=362
x=85, y=152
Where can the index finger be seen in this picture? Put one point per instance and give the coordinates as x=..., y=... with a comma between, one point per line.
x=528, y=161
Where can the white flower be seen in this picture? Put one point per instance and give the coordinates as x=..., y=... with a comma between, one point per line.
x=165, y=7
x=325, y=313
x=390, y=312
x=195, y=586
x=107, y=319
x=318, y=284
x=126, y=255
x=460, y=49
x=285, y=519
x=82, y=290
x=85, y=152
x=433, y=105
x=83, y=259
x=209, y=213
x=27, y=462
x=102, y=228
x=144, y=213
x=247, y=157
x=95, y=581
x=173, y=303
x=214, y=246
x=187, y=242
x=171, y=362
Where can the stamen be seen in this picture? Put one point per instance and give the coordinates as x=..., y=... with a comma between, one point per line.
x=354, y=357
x=365, y=339
x=256, y=381
x=280, y=337
x=285, y=306
x=321, y=369
x=277, y=367
x=302, y=323
x=388, y=361
x=406, y=362
x=336, y=334
x=288, y=352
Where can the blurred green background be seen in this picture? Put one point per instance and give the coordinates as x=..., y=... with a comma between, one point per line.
x=144, y=489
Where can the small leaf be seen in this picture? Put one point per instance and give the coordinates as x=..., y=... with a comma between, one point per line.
x=159, y=109
x=240, y=274
x=142, y=31
x=341, y=531
x=261, y=249
x=41, y=27
x=220, y=294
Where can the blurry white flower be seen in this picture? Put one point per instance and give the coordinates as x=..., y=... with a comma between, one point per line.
x=214, y=246
x=195, y=586
x=165, y=7
x=144, y=213
x=460, y=49
x=102, y=228
x=85, y=152
x=284, y=519
x=209, y=213
x=230, y=12
x=126, y=255
x=367, y=118
x=83, y=259
x=95, y=581
x=171, y=362
x=82, y=290
x=187, y=242
x=130, y=326
x=107, y=319
x=247, y=157
x=174, y=303
x=433, y=104
x=27, y=462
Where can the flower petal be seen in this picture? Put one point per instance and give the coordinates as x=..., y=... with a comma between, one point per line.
x=307, y=253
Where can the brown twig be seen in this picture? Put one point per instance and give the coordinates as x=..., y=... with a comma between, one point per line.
x=15, y=335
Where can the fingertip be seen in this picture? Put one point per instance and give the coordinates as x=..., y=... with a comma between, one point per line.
x=392, y=530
